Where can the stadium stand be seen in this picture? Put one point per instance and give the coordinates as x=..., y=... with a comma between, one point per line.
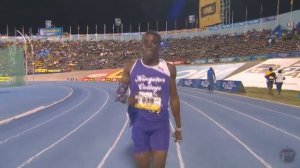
x=67, y=54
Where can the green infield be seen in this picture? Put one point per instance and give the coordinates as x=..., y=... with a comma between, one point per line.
x=286, y=96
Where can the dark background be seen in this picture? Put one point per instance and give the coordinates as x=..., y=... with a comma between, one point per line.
x=74, y=13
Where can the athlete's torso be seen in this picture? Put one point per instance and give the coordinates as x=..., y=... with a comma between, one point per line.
x=151, y=85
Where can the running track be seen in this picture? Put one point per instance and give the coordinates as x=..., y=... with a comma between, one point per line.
x=88, y=129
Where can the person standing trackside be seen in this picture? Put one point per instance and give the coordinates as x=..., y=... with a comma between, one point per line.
x=152, y=84
x=279, y=81
x=211, y=77
x=271, y=78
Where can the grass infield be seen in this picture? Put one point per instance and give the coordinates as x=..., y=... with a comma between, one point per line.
x=286, y=96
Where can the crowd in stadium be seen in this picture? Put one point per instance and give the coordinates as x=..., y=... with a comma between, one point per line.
x=84, y=55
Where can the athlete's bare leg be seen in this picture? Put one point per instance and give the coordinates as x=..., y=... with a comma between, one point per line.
x=142, y=159
x=159, y=159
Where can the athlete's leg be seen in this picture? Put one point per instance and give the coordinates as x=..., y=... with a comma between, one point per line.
x=159, y=159
x=142, y=159
x=159, y=142
x=141, y=144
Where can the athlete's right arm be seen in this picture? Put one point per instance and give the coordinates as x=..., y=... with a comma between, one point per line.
x=124, y=84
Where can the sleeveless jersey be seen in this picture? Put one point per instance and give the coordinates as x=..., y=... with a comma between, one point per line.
x=151, y=87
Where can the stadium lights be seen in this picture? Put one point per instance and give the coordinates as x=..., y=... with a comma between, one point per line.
x=26, y=70
x=33, y=68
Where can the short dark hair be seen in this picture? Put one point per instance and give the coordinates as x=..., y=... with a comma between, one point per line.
x=270, y=69
x=154, y=34
x=279, y=71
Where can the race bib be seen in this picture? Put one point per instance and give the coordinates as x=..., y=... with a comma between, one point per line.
x=148, y=101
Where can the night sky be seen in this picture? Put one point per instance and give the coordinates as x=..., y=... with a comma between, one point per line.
x=66, y=13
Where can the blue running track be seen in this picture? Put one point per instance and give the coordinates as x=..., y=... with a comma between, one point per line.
x=78, y=125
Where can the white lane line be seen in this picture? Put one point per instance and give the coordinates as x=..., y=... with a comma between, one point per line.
x=261, y=160
x=66, y=136
x=25, y=114
x=270, y=101
x=253, y=118
x=285, y=114
x=178, y=149
x=102, y=162
x=227, y=98
x=45, y=122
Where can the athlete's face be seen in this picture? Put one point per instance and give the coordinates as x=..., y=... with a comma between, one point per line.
x=151, y=46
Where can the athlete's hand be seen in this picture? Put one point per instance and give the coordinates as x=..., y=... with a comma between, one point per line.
x=131, y=100
x=177, y=136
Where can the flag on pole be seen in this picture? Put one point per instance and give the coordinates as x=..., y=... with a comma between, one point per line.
x=104, y=31
x=232, y=22
x=260, y=15
x=277, y=12
x=246, y=21
x=278, y=7
x=78, y=32
x=139, y=27
x=122, y=31
x=166, y=26
x=70, y=32
x=7, y=30
x=232, y=19
x=113, y=31
x=246, y=15
x=96, y=32
x=130, y=30
x=291, y=14
x=148, y=24
x=87, y=32
x=261, y=10
x=30, y=31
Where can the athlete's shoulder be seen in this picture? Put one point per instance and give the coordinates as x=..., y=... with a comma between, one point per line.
x=172, y=69
x=128, y=66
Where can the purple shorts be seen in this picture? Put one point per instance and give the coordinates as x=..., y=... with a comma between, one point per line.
x=151, y=136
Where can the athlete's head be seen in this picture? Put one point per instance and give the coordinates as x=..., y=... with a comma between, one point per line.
x=151, y=45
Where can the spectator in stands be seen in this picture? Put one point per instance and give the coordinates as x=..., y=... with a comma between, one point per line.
x=271, y=78
x=279, y=81
x=211, y=77
x=298, y=46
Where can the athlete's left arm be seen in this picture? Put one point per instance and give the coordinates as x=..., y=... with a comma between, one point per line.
x=124, y=84
x=174, y=102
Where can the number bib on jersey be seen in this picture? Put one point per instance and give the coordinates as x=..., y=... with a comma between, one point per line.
x=148, y=101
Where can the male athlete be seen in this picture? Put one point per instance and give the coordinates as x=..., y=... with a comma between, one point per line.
x=211, y=77
x=152, y=84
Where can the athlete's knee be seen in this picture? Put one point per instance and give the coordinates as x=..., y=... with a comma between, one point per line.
x=142, y=159
x=159, y=159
